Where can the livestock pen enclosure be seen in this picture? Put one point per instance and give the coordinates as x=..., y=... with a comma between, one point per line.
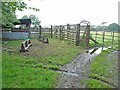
x=37, y=68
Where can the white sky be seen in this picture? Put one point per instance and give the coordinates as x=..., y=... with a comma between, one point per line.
x=56, y=12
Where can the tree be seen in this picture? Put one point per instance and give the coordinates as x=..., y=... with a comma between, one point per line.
x=92, y=27
x=25, y=17
x=35, y=20
x=101, y=28
x=114, y=27
x=8, y=11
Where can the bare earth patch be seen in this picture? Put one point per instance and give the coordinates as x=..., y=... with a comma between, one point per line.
x=75, y=73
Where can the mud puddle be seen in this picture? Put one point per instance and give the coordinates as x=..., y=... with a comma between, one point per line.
x=97, y=50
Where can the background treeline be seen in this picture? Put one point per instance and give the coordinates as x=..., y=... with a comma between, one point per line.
x=112, y=27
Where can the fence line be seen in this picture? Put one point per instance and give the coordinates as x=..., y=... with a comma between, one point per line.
x=106, y=36
x=74, y=34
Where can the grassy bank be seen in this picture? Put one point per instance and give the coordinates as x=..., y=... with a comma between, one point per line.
x=104, y=71
x=35, y=69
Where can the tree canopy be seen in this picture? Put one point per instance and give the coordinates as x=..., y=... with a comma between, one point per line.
x=8, y=11
x=35, y=20
x=114, y=27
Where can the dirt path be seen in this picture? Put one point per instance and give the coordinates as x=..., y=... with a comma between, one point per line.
x=74, y=72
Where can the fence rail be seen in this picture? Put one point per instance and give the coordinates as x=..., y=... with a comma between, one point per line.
x=75, y=34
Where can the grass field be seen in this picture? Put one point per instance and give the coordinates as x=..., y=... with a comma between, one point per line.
x=104, y=71
x=35, y=69
x=107, y=39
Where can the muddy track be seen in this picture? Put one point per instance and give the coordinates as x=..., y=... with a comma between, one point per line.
x=74, y=72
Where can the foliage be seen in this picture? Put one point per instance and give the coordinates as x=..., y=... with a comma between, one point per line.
x=35, y=20
x=25, y=17
x=114, y=27
x=8, y=11
x=100, y=28
x=92, y=29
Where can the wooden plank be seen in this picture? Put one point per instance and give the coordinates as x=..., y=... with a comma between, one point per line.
x=93, y=40
x=78, y=35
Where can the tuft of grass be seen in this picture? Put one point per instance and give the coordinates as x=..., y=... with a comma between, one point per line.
x=101, y=67
x=53, y=67
x=101, y=78
x=92, y=83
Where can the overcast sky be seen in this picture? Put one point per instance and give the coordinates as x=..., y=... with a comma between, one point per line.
x=58, y=12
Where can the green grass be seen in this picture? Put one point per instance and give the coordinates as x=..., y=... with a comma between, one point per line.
x=92, y=83
x=101, y=68
x=107, y=39
x=101, y=61
x=35, y=69
x=0, y=65
x=19, y=73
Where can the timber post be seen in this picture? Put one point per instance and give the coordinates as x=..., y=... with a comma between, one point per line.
x=29, y=31
x=78, y=35
x=51, y=31
x=40, y=30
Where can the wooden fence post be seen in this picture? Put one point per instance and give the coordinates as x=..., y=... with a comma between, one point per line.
x=87, y=35
x=112, y=39
x=29, y=31
x=103, y=36
x=40, y=30
x=56, y=31
x=60, y=30
x=51, y=31
x=119, y=39
x=78, y=35
x=67, y=31
x=96, y=36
